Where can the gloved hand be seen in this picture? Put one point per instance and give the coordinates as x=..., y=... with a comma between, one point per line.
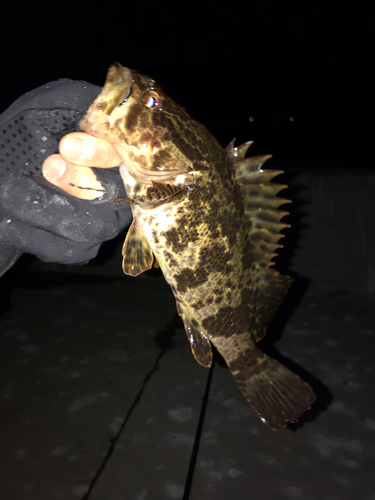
x=35, y=216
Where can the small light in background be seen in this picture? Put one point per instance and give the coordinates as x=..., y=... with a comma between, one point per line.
x=251, y=118
x=291, y=119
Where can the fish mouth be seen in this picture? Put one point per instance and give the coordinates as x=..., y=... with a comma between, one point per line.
x=117, y=88
x=118, y=75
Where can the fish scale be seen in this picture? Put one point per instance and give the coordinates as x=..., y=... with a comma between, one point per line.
x=211, y=219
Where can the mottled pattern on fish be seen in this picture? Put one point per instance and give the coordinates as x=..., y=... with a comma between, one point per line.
x=211, y=219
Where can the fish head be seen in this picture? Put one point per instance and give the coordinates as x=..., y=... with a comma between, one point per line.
x=155, y=138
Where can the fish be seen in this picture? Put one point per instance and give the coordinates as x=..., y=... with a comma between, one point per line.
x=211, y=219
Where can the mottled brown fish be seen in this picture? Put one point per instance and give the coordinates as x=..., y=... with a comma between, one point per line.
x=211, y=219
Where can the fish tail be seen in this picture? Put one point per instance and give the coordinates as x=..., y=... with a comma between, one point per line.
x=276, y=394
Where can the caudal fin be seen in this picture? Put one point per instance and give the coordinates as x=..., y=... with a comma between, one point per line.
x=276, y=394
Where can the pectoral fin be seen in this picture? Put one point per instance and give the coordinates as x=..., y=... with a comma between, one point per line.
x=199, y=343
x=137, y=255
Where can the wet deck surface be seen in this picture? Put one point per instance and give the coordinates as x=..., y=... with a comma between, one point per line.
x=101, y=399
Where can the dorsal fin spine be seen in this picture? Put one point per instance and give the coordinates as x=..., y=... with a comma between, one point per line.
x=238, y=153
x=263, y=215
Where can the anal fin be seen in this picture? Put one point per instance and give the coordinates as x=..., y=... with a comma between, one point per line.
x=137, y=255
x=199, y=343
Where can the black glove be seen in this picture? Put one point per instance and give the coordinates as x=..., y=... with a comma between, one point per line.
x=35, y=216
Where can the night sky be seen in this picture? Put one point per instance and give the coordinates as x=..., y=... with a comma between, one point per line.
x=296, y=81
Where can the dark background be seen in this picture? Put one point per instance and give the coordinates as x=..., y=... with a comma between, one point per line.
x=224, y=62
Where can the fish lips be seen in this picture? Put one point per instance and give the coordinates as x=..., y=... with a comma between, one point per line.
x=116, y=90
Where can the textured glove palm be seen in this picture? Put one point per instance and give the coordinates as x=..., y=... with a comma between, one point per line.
x=35, y=216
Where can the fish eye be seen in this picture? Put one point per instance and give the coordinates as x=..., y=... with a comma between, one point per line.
x=152, y=100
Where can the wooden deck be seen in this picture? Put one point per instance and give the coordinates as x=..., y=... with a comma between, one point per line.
x=102, y=400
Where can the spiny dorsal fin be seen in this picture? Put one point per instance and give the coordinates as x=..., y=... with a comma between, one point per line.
x=263, y=215
x=238, y=152
x=261, y=204
x=137, y=255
